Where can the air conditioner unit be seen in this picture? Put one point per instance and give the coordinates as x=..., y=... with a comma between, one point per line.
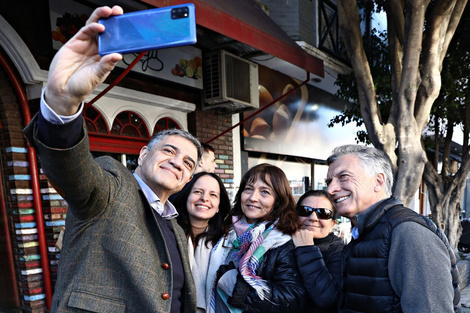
x=230, y=82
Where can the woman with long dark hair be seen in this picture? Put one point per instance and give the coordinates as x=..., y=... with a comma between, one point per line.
x=253, y=268
x=202, y=206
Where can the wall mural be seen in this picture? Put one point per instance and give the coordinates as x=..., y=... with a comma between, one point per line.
x=182, y=65
x=297, y=124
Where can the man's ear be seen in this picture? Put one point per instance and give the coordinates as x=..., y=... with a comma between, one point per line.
x=143, y=152
x=379, y=181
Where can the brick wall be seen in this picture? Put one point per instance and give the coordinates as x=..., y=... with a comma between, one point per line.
x=20, y=209
x=205, y=125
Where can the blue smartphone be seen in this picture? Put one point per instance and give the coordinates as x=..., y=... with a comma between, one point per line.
x=148, y=30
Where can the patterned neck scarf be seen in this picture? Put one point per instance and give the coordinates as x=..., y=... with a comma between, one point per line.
x=248, y=238
x=250, y=247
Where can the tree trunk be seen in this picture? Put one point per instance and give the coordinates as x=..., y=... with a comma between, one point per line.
x=445, y=206
x=416, y=62
x=445, y=196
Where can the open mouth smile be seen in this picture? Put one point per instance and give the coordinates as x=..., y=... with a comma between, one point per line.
x=341, y=199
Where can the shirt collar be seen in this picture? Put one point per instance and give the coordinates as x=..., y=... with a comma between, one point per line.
x=361, y=219
x=167, y=210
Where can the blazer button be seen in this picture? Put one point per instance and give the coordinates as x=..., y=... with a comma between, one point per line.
x=165, y=296
x=165, y=266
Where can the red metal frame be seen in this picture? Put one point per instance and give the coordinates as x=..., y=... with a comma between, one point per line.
x=33, y=167
x=223, y=23
x=114, y=83
x=106, y=142
x=116, y=144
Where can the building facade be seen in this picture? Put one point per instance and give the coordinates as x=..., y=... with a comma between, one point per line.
x=289, y=70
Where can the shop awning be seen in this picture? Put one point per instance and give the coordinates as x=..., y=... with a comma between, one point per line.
x=244, y=21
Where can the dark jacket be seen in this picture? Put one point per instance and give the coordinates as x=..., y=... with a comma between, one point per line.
x=115, y=257
x=279, y=268
x=320, y=269
x=367, y=285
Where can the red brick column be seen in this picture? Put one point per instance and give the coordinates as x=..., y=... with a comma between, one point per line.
x=205, y=125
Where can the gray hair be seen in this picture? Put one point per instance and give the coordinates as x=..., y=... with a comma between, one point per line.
x=374, y=161
x=176, y=132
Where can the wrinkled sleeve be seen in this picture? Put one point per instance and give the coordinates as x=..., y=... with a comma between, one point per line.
x=71, y=169
x=286, y=290
x=420, y=270
x=321, y=276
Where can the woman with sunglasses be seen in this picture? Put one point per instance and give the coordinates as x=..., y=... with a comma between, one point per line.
x=318, y=251
x=202, y=205
x=253, y=268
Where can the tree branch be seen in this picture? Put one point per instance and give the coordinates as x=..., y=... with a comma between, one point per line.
x=349, y=22
x=414, y=23
x=446, y=161
x=454, y=20
x=438, y=34
x=396, y=34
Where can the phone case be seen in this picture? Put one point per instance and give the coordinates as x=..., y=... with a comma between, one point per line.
x=148, y=30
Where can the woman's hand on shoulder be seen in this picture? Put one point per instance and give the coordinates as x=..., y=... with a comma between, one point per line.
x=303, y=237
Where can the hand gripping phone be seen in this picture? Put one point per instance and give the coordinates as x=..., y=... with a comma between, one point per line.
x=148, y=30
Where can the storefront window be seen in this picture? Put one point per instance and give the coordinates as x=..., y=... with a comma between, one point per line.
x=296, y=125
x=128, y=160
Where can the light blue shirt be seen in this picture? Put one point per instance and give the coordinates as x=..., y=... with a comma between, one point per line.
x=53, y=117
x=167, y=210
x=355, y=232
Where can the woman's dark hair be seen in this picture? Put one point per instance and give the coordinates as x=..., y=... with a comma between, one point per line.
x=216, y=228
x=316, y=193
x=284, y=205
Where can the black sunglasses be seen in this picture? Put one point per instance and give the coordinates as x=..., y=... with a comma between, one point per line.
x=323, y=214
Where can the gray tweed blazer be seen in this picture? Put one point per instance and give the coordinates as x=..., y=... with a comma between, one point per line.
x=113, y=248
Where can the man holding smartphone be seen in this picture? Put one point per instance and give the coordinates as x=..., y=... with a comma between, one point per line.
x=123, y=250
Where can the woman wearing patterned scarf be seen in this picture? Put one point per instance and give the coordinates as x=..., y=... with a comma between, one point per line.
x=253, y=267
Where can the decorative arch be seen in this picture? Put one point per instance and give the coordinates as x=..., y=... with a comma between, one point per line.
x=129, y=124
x=20, y=55
x=95, y=122
x=127, y=135
x=165, y=123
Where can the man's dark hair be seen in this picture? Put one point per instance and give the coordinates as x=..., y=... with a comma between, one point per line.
x=176, y=132
x=216, y=228
x=207, y=147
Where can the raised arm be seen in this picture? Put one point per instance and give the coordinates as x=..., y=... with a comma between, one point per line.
x=77, y=68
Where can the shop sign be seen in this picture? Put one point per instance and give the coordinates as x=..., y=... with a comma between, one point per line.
x=298, y=124
x=181, y=65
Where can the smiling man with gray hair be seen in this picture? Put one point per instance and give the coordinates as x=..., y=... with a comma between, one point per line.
x=398, y=260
